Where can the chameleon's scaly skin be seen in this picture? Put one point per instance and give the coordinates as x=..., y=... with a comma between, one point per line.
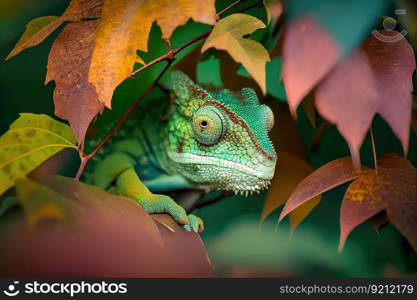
x=210, y=140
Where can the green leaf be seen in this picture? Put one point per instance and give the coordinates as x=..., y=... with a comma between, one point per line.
x=228, y=35
x=37, y=30
x=30, y=140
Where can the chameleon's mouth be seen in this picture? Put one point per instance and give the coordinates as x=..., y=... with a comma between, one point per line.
x=216, y=173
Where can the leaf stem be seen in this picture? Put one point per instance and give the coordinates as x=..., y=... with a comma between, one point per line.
x=374, y=149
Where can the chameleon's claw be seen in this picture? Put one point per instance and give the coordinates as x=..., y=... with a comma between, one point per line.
x=164, y=204
x=196, y=223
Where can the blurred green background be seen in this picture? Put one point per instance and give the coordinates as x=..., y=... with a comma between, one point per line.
x=236, y=243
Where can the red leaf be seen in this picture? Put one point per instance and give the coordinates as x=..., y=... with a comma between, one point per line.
x=348, y=98
x=308, y=54
x=321, y=180
x=374, y=79
x=393, y=65
x=104, y=235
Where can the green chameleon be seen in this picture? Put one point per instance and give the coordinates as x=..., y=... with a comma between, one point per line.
x=209, y=140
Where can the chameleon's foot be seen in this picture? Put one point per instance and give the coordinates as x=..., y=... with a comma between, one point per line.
x=195, y=223
x=164, y=204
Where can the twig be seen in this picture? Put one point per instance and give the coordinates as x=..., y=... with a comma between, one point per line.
x=374, y=150
x=229, y=7
x=169, y=54
x=223, y=195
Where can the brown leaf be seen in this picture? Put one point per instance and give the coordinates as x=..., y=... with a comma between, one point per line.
x=301, y=212
x=39, y=29
x=366, y=83
x=308, y=54
x=124, y=28
x=393, y=187
x=321, y=180
x=289, y=172
x=75, y=98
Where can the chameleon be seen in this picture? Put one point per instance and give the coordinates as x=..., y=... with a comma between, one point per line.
x=201, y=139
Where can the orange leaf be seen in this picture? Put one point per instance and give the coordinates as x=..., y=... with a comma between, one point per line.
x=321, y=180
x=301, y=212
x=124, y=28
x=289, y=172
x=393, y=187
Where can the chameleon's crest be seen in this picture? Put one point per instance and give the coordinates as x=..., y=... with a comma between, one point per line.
x=219, y=139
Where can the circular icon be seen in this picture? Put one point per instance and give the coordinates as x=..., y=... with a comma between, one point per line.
x=389, y=23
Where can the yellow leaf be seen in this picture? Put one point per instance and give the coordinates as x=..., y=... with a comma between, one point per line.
x=36, y=31
x=124, y=28
x=40, y=28
x=30, y=140
x=228, y=35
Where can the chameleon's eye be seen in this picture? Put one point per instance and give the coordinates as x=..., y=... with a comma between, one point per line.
x=209, y=124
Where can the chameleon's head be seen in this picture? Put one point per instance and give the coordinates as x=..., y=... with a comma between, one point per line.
x=219, y=140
